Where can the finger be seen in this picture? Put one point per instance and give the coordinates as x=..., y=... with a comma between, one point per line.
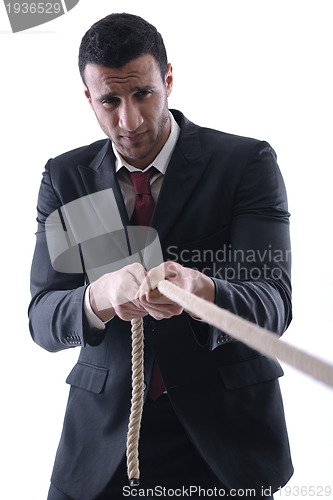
x=154, y=298
x=153, y=295
x=154, y=276
x=130, y=311
x=160, y=306
x=164, y=312
x=138, y=272
x=172, y=270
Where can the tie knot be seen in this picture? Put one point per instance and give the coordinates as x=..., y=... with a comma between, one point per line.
x=141, y=181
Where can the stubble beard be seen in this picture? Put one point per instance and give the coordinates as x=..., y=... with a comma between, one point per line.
x=150, y=147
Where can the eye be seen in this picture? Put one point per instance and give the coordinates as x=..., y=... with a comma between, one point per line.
x=143, y=93
x=110, y=100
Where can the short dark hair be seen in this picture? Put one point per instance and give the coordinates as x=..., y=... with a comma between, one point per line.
x=117, y=39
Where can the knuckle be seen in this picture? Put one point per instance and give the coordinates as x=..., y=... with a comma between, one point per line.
x=135, y=266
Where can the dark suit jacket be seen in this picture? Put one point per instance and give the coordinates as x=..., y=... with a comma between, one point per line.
x=222, y=209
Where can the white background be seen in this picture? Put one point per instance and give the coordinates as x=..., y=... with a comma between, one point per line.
x=259, y=68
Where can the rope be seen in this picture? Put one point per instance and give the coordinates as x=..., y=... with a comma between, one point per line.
x=133, y=434
x=253, y=335
x=260, y=339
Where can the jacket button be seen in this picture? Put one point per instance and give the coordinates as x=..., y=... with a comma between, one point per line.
x=222, y=339
x=144, y=386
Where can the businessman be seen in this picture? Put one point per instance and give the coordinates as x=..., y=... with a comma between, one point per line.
x=213, y=414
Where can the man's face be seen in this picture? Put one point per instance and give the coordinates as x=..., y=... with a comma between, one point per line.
x=131, y=106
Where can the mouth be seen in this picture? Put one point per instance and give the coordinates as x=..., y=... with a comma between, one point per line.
x=134, y=137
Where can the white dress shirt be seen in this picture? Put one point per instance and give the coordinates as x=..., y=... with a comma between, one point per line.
x=160, y=163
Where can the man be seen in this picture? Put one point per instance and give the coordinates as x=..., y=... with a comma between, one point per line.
x=222, y=220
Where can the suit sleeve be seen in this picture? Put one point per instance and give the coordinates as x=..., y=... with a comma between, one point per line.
x=256, y=283
x=56, y=315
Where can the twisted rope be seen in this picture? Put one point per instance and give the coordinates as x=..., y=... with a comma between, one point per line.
x=253, y=335
x=133, y=434
x=260, y=339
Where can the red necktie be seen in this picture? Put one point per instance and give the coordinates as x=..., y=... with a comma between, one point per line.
x=143, y=211
x=144, y=202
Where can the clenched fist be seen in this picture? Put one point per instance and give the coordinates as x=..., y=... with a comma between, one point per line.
x=191, y=280
x=116, y=293
x=131, y=292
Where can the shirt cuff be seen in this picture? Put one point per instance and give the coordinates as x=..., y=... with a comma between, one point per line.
x=93, y=320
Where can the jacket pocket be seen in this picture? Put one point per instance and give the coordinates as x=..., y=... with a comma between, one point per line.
x=250, y=372
x=89, y=377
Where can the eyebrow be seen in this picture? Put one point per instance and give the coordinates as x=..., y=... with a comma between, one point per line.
x=110, y=95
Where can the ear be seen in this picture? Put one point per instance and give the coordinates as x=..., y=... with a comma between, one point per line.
x=87, y=94
x=169, y=79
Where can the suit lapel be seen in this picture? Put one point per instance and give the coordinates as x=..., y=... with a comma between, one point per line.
x=100, y=175
x=182, y=176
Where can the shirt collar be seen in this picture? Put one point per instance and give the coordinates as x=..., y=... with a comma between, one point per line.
x=162, y=159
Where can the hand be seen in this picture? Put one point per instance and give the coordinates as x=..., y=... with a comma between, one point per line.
x=191, y=280
x=116, y=293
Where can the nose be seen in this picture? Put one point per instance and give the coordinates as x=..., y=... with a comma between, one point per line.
x=130, y=117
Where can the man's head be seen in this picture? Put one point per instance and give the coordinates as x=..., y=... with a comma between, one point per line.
x=117, y=39
x=127, y=81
